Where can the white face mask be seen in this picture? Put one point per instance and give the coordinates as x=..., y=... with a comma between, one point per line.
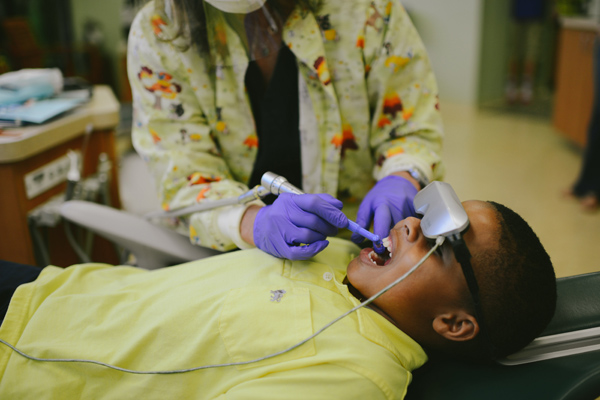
x=237, y=6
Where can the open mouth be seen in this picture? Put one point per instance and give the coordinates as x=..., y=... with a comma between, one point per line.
x=385, y=257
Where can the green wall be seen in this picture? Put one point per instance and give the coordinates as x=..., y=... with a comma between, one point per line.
x=494, y=50
x=107, y=13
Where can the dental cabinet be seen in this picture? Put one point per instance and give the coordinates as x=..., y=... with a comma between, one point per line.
x=574, y=90
x=34, y=163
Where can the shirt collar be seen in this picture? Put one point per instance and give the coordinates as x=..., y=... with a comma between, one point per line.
x=379, y=330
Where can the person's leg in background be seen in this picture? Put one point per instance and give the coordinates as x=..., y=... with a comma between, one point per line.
x=526, y=25
x=515, y=42
x=587, y=187
x=532, y=31
x=12, y=275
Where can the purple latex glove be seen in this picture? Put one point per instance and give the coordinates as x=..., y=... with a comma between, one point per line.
x=387, y=203
x=295, y=219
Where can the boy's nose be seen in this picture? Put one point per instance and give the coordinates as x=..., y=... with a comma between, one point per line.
x=412, y=227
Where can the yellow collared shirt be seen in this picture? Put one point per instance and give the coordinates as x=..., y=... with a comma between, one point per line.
x=231, y=308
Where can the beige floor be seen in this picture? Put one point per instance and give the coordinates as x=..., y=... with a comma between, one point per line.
x=523, y=163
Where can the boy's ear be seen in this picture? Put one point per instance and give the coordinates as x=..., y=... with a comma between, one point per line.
x=458, y=326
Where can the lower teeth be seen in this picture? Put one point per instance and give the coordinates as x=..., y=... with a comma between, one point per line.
x=376, y=259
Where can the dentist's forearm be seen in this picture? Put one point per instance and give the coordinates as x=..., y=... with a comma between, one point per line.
x=247, y=224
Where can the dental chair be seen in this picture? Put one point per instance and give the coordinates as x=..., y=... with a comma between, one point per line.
x=142, y=242
x=562, y=364
x=549, y=369
x=151, y=246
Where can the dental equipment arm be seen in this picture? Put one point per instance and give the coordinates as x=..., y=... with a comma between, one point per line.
x=277, y=184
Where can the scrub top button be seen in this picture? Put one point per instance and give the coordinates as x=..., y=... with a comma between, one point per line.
x=328, y=276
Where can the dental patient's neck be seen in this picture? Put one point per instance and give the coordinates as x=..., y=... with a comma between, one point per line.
x=353, y=291
x=360, y=297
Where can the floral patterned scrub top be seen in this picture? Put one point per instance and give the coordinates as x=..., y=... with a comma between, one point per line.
x=367, y=97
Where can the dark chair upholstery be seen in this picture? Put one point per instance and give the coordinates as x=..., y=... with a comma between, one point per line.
x=575, y=377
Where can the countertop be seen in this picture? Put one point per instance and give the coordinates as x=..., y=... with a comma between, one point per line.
x=101, y=112
x=580, y=23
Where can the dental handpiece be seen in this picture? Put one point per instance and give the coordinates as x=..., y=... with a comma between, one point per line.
x=377, y=242
x=277, y=184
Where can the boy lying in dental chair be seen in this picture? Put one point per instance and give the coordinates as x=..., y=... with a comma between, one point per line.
x=246, y=305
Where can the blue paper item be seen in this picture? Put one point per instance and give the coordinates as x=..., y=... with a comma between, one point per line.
x=12, y=94
x=39, y=111
x=29, y=83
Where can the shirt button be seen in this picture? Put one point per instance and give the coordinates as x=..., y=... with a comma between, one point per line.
x=328, y=276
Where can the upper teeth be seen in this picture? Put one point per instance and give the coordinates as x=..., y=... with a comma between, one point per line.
x=388, y=244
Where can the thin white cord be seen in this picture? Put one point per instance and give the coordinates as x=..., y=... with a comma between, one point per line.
x=438, y=242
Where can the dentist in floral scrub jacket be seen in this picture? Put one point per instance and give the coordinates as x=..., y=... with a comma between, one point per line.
x=337, y=96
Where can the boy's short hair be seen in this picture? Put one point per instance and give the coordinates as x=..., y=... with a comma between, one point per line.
x=517, y=285
x=517, y=291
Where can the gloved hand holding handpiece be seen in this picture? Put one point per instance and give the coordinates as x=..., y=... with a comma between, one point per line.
x=387, y=203
x=296, y=226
